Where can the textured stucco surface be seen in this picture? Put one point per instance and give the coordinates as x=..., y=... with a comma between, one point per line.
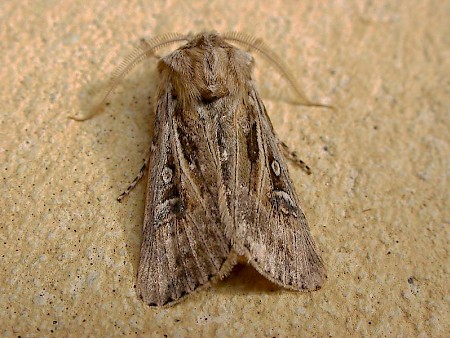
x=378, y=200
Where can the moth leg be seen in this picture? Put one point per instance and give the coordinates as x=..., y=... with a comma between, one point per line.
x=292, y=156
x=136, y=180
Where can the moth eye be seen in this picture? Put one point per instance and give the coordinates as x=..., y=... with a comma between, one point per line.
x=207, y=99
x=167, y=175
x=276, y=168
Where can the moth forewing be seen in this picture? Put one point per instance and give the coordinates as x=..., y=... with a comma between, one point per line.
x=218, y=185
x=270, y=228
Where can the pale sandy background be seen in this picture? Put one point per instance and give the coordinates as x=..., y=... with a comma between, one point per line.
x=378, y=199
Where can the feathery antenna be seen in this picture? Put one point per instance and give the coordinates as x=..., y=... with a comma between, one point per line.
x=259, y=45
x=145, y=50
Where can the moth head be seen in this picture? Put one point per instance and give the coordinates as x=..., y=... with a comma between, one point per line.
x=207, y=68
x=206, y=40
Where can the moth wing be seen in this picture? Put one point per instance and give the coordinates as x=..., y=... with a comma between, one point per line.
x=271, y=229
x=184, y=245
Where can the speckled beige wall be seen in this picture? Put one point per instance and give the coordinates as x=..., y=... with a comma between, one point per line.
x=378, y=200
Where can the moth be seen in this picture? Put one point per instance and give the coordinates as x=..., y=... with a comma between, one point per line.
x=218, y=186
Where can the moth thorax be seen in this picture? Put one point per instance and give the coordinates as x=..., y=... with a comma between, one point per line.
x=212, y=76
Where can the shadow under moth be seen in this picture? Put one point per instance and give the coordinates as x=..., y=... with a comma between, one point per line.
x=218, y=186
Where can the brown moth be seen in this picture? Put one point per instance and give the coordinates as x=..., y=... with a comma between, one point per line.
x=218, y=186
